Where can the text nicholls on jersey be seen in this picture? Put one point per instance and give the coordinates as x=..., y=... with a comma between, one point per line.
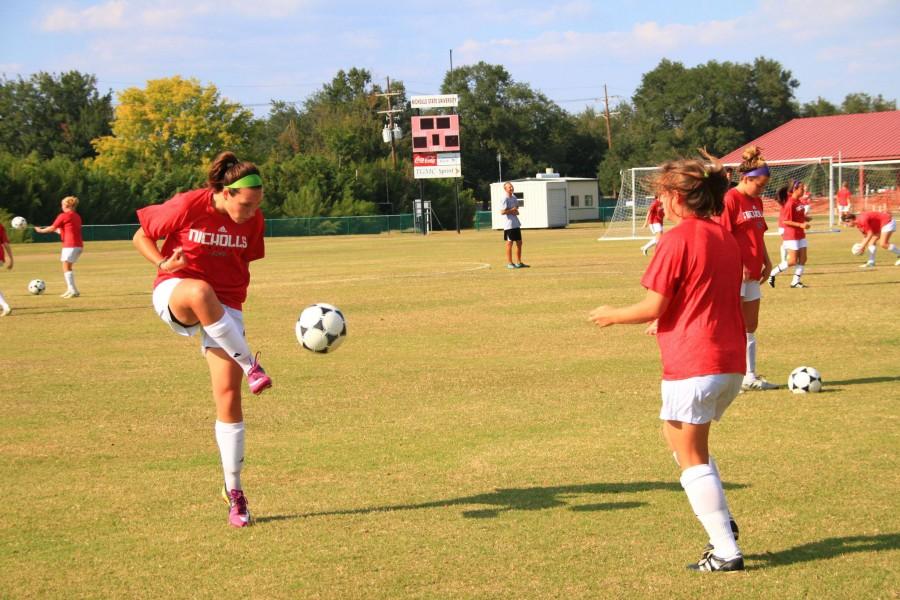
x=223, y=240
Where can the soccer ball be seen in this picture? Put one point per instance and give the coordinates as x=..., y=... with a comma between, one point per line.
x=805, y=380
x=19, y=223
x=857, y=249
x=321, y=328
x=37, y=286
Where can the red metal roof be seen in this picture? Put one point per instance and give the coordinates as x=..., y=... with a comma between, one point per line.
x=857, y=137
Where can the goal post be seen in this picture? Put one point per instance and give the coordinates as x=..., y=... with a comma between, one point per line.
x=638, y=190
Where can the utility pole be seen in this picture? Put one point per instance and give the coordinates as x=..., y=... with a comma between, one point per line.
x=390, y=113
x=606, y=115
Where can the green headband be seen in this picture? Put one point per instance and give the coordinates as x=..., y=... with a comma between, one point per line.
x=249, y=181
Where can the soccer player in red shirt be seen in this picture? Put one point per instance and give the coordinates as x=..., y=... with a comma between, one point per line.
x=843, y=200
x=68, y=225
x=743, y=217
x=5, y=257
x=212, y=235
x=654, y=221
x=794, y=225
x=693, y=288
x=875, y=226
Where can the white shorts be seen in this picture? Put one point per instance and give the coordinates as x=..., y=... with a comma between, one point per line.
x=843, y=209
x=70, y=255
x=161, y=295
x=794, y=244
x=700, y=399
x=750, y=291
x=656, y=228
x=890, y=227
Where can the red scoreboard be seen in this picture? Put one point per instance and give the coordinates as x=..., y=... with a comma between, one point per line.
x=435, y=134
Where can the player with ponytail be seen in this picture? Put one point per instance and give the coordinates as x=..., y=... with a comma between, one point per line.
x=794, y=223
x=693, y=288
x=211, y=236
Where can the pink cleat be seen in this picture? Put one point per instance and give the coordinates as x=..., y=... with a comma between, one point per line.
x=257, y=378
x=238, y=513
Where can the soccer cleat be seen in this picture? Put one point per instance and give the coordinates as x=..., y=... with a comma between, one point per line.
x=644, y=250
x=897, y=264
x=734, y=530
x=238, y=513
x=510, y=266
x=868, y=265
x=771, y=281
x=521, y=266
x=757, y=383
x=71, y=294
x=257, y=378
x=5, y=310
x=711, y=562
x=799, y=284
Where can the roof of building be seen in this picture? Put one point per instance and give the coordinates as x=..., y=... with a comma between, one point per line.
x=856, y=137
x=555, y=179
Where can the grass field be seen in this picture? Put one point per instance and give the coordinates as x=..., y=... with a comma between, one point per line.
x=474, y=437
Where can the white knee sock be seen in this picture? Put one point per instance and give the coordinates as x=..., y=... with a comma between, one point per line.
x=782, y=266
x=3, y=302
x=783, y=254
x=715, y=468
x=228, y=334
x=798, y=273
x=70, y=280
x=872, y=253
x=893, y=248
x=649, y=244
x=230, y=438
x=751, y=354
x=704, y=492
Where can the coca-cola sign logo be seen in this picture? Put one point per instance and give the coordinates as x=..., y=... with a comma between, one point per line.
x=425, y=160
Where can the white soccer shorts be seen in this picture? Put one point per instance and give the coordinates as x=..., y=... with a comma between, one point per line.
x=70, y=255
x=795, y=244
x=750, y=291
x=656, y=228
x=699, y=400
x=161, y=295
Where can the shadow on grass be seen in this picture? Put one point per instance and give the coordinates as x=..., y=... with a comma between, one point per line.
x=35, y=310
x=827, y=548
x=505, y=500
x=863, y=380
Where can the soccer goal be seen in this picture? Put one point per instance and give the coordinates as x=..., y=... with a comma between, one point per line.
x=637, y=192
x=874, y=185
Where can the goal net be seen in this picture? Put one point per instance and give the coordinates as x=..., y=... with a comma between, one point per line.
x=873, y=185
x=637, y=192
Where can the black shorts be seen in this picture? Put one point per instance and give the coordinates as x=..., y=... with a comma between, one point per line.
x=512, y=235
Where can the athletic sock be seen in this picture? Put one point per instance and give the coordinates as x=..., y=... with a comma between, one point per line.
x=782, y=266
x=751, y=354
x=648, y=245
x=872, y=253
x=715, y=468
x=704, y=492
x=230, y=338
x=798, y=273
x=230, y=438
x=893, y=248
x=783, y=255
x=70, y=280
x=3, y=302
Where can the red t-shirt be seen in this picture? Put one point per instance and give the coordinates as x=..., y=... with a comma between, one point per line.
x=218, y=250
x=843, y=197
x=793, y=211
x=872, y=222
x=656, y=212
x=4, y=239
x=743, y=217
x=697, y=266
x=69, y=225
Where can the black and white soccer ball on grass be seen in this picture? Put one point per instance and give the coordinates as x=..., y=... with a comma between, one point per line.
x=37, y=286
x=321, y=328
x=805, y=380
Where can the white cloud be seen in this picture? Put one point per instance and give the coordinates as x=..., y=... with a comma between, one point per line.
x=101, y=16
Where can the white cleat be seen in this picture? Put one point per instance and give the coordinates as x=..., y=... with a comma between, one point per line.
x=5, y=311
x=868, y=265
x=757, y=383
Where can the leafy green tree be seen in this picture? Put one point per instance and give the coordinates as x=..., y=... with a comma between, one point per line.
x=172, y=125
x=863, y=103
x=53, y=115
x=820, y=107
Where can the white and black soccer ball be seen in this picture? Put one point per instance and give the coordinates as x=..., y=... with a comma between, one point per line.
x=805, y=380
x=37, y=286
x=857, y=249
x=19, y=223
x=321, y=328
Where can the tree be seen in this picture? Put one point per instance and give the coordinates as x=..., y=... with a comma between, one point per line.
x=820, y=107
x=53, y=115
x=174, y=126
x=863, y=103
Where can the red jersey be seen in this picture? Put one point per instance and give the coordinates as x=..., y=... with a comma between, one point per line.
x=656, y=212
x=69, y=226
x=872, y=222
x=793, y=210
x=218, y=250
x=697, y=266
x=843, y=197
x=4, y=239
x=743, y=217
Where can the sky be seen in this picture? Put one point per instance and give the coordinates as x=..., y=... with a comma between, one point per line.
x=255, y=51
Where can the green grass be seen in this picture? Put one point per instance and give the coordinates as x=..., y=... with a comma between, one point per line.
x=474, y=437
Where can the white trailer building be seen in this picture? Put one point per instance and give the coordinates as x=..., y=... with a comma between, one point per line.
x=549, y=201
